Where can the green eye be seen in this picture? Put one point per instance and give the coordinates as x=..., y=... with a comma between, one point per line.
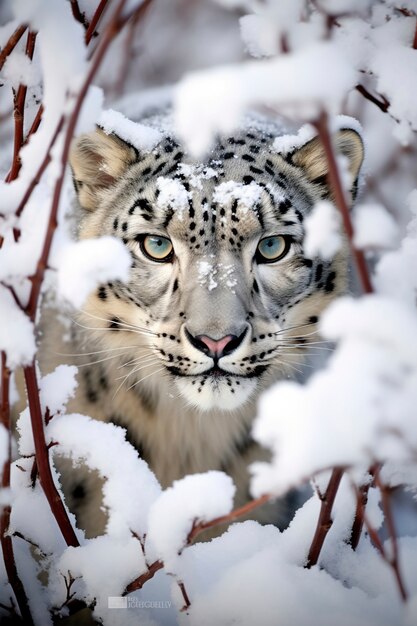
x=157, y=248
x=272, y=249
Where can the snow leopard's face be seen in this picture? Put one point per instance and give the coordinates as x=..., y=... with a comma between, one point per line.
x=221, y=299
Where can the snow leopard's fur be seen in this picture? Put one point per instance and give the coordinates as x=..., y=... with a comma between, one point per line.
x=156, y=383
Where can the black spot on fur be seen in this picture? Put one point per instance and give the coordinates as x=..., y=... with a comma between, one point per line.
x=114, y=323
x=319, y=272
x=102, y=293
x=329, y=285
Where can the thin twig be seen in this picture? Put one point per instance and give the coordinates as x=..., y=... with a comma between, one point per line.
x=339, y=196
x=361, y=508
x=80, y=17
x=230, y=517
x=35, y=124
x=196, y=530
x=389, y=519
x=91, y=30
x=325, y=521
x=19, y=112
x=141, y=580
x=382, y=104
x=185, y=596
x=11, y=44
x=6, y=539
x=392, y=562
x=42, y=458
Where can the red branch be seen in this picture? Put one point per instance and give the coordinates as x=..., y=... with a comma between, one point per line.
x=389, y=519
x=382, y=104
x=230, y=517
x=392, y=561
x=196, y=530
x=42, y=458
x=80, y=17
x=19, y=109
x=361, y=508
x=91, y=30
x=325, y=521
x=340, y=199
x=11, y=44
x=6, y=539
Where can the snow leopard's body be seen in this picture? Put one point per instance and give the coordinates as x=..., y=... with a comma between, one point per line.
x=182, y=414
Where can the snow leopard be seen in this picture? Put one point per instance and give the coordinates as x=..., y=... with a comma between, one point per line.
x=221, y=300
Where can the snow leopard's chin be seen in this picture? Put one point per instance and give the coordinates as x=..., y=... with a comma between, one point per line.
x=224, y=393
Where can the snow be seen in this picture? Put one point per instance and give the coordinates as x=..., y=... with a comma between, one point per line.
x=142, y=137
x=395, y=275
x=359, y=408
x=246, y=195
x=377, y=343
x=374, y=227
x=172, y=195
x=289, y=143
x=106, y=564
x=233, y=89
x=260, y=35
x=19, y=69
x=323, y=227
x=57, y=388
x=130, y=488
x=193, y=499
x=83, y=265
x=16, y=332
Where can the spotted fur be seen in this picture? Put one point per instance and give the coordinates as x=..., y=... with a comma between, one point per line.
x=182, y=415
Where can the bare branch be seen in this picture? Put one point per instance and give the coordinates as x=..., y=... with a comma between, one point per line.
x=382, y=104
x=42, y=458
x=230, y=517
x=19, y=109
x=389, y=519
x=11, y=44
x=358, y=522
x=339, y=196
x=325, y=521
x=91, y=30
x=6, y=539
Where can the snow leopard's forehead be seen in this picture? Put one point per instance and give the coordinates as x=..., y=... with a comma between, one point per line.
x=243, y=189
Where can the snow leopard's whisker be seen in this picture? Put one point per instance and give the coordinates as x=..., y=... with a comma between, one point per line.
x=306, y=345
x=124, y=378
x=119, y=322
x=313, y=332
x=135, y=369
x=107, y=358
x=288, y=365
x=117, y=329
x=145, y=377
x=283, y=330
x=139, y=360
x=74, y=354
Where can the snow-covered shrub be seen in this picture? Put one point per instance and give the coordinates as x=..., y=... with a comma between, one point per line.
x=346, y=557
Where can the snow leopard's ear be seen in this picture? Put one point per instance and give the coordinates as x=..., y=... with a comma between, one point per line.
x=312, y=158
x=97, y=161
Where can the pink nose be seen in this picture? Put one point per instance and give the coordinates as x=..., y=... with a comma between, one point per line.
x=216, y=346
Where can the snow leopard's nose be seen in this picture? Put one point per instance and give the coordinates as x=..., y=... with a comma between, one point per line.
x=216, y=348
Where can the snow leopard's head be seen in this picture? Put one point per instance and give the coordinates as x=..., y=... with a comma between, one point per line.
x=221, y=298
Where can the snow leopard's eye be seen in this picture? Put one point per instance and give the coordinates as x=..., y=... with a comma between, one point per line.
x=157, y=248
x=271, y=249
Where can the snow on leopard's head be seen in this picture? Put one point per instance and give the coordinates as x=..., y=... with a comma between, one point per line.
x=221, y=298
